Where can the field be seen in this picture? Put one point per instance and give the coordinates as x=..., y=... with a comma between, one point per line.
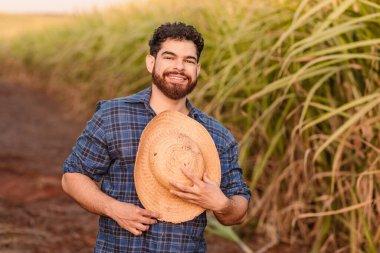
x=296, y=82
x=12, y=25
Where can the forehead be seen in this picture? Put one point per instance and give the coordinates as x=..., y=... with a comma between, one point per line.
x=179, y=47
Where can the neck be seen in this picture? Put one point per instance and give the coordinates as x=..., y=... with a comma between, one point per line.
x=159, y=102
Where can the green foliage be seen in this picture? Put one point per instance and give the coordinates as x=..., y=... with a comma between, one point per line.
x=296, y=82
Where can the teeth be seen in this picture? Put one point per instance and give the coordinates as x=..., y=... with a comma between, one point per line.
x=177, y=77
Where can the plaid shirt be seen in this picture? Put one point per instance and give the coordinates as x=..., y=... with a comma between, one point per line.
x=106, y=150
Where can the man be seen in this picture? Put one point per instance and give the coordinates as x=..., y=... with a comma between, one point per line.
x=106, y=150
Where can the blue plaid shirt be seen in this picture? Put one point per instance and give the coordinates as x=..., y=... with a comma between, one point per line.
x=106, y=150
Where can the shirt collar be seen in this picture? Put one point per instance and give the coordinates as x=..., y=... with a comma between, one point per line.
x=193, y=111
x=140, y=97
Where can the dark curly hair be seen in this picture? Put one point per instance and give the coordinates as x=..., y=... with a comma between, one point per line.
x=176, y=31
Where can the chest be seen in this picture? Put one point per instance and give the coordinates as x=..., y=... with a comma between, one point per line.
x=123, y=135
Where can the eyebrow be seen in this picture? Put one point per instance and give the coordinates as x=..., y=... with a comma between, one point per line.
x=173, y=54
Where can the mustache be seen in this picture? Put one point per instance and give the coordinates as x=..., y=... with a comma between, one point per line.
x=176, y=73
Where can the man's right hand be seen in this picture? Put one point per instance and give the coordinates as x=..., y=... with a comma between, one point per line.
x=132, y=218
x=87, y=193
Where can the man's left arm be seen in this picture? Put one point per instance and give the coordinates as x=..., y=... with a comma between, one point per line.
x=234, y=212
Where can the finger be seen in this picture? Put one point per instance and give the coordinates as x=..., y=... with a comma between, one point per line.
x=193, y=202
x=191, y=176
x=206, y=179
x=149, y=214
x=183, y=195
x=189, y=199
x=135, y=231
x=141, y=227
x=181, y=187
x=147, y=221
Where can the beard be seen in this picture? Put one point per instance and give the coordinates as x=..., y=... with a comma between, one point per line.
x=173, y=90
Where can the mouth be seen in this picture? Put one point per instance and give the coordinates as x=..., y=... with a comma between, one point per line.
x=176, y=77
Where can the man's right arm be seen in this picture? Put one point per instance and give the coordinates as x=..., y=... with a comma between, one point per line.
x=90, y=161
x=87, y=193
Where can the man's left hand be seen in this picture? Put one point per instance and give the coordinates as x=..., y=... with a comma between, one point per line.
x=204, y=192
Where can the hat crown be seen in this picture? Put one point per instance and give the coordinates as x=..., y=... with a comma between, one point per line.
x=177, y=151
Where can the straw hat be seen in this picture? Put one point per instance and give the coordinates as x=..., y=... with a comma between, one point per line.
x=170, y=141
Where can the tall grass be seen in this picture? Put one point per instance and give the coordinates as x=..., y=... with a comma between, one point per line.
x=11, y=25
x=296, y=82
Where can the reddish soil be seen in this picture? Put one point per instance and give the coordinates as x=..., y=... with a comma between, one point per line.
x=35, y=215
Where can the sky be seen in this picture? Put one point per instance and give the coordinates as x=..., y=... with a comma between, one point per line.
x=51, y=6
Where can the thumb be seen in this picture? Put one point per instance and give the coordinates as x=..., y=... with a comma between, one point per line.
x=206, y=178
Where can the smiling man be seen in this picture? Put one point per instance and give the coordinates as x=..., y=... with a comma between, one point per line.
x=106, y=150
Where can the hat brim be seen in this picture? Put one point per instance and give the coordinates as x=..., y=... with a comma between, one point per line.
x=155, y=196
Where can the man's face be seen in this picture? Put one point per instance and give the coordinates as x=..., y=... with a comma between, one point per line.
x=175, y=69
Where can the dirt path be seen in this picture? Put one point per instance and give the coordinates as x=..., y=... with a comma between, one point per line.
x=35, y=215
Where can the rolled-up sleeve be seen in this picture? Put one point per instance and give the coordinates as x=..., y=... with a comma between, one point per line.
x=90, y=154
x=232, y=178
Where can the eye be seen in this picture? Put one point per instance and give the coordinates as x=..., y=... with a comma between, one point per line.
x=190, y=61
x=169, y=57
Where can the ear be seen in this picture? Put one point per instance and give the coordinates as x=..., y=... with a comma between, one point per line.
x=149, y=61
x=198, y=69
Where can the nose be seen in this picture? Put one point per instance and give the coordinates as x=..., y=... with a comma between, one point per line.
x=179, y=64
